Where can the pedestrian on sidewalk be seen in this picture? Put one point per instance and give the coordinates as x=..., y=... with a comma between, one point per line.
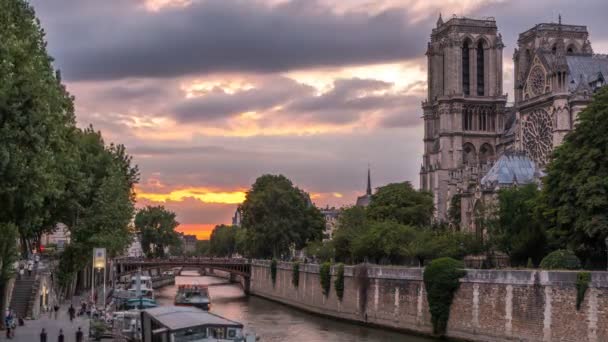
x=30, y=268
x=8, y=323
x=56, y=308
x=43, y=335
x=60, y=338
x=71, y=312
x=79, y=335
x=21, y=271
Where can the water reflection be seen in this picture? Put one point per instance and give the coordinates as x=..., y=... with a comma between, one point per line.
x=275, y=322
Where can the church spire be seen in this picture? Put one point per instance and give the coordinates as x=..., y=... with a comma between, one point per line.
x=369, y=182
x=439, y=20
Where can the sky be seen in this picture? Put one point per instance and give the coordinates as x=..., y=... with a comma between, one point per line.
x=207, y=95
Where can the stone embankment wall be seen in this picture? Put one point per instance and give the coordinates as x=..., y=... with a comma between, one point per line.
x=491, y=305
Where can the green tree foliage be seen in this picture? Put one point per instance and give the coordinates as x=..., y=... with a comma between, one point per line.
x=431, y=244
x=98, y=203
x=561, y=259
x=582, y=284
x=36, y=120
x=576, y=186
x=401, y=203
x=518, y=231
x=157, y=227
x=454, y=213
x=352, y=222
x=339, y=281
x=223, y=240
x=325, y=277
x=8, y=255
x=321, y=250
x=295, y=274
x=277, y=216
x=383, y=242
x=441, y=280
x=203, y=248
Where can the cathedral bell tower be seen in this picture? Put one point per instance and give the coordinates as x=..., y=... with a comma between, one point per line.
x=465, y=105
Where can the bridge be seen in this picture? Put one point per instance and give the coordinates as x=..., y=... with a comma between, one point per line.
x=238, y=269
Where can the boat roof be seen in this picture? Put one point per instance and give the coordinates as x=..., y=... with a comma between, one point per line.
x=180, y=317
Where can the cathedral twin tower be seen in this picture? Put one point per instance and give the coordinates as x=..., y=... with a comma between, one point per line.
x=475, y=144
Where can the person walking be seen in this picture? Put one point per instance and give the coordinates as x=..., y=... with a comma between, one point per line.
x=60, y=338
x=21, y=271
x=71, y=312
x=43, y=335
x=8, y=323
x=30, y=268
x=56, y=308
x=79, y=335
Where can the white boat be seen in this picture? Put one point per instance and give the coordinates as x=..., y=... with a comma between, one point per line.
x=145, y=286
x=180, y=324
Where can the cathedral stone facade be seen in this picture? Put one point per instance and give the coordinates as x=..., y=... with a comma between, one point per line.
x=474, y=143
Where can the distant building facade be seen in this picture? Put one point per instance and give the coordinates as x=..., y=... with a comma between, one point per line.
x=473, y=143
x=60, y=237
x=330, y=215
x=135, y=250
x=189, y=242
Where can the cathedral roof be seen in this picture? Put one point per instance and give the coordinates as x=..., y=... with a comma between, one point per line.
x=512, y=168
x=586, y=69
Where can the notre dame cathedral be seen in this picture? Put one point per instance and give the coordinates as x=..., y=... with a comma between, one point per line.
x=474, y=143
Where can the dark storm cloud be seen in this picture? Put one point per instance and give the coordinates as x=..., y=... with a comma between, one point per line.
x=95, y=40
x=217, y=104
x=345, y=102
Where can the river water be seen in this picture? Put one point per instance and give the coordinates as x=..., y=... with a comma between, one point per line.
x=276, y=322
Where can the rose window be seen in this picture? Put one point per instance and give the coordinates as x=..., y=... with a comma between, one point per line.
x=536, y=81
x=538, y=136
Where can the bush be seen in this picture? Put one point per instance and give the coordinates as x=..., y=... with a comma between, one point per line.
x=339, y=282
x=441, y=279
x=560, y=259
x=582, y=284
x=295, y=276
x=325, y=275
x=273, y=271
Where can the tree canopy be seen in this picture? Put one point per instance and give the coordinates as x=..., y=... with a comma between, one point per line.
x=157, y=228
x=223, y=240
x=575, y=191
x=277, y=216
x=517, y=230
x=401, y=203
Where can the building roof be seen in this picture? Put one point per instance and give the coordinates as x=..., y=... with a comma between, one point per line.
x=512, y=168
x=586, y=69
x=178, y=317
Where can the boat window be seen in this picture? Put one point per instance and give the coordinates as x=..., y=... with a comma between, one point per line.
x=231, y=333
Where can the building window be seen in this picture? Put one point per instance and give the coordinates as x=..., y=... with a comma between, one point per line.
x=480, y=69
x=466, y=89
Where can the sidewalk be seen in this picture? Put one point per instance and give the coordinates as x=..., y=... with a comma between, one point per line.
x=30, y=332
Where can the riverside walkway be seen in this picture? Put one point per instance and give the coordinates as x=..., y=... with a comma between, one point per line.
x=30, y=332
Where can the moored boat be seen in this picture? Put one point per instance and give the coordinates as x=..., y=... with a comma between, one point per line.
x=193, y=295
x=177, y=324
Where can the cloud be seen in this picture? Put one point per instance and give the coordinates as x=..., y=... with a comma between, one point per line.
x=213, y=36
x=201, y=194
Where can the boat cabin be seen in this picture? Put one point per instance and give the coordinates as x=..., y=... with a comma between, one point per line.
x=178, y=324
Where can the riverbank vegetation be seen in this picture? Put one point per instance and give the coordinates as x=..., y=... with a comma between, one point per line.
x=51, y=171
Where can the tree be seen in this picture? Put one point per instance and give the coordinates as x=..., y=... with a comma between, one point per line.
x=352, y=222
x=223, y=240
x=8, y=255
x=157, y=227
x=36, y=120
x=575, y=191
x=401, y=203
x=322, y=250
x=383, y=242
x=278, y=216
x=202, y=248
x=518, y=231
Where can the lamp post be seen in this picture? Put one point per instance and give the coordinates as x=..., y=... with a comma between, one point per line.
x=606, y=241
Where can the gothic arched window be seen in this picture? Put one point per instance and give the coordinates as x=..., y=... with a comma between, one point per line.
x=469, y=156
x=480, y=69
x=466, y=89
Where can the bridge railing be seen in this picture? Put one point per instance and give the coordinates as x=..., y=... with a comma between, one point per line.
x=186, y=260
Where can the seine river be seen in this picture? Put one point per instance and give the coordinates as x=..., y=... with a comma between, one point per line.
x=275, y=322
